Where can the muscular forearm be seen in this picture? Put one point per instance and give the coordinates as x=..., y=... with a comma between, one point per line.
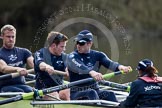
x=9, y=69
x=4, y=68
x=43, y=66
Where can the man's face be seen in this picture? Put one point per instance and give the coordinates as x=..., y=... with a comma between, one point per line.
x=58, y=49
x=9, y=38
x=83, y=48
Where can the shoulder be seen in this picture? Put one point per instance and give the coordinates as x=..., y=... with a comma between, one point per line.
x=43, y=50
x=94, y=51
x=149, y=79
x=39, y=52
x=136, y=85
x=137, y=82
x=72, y=54
x=97, y=52
x=22, y=49
x=64, y=55
x=159, y=79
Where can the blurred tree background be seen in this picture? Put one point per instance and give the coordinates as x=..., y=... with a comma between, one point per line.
x=137, y=26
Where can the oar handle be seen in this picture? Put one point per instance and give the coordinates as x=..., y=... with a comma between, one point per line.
x=60, y=72
x=14, y=75
x=30, y=70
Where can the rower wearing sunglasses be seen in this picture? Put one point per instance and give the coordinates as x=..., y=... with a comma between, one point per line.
x=85, y=63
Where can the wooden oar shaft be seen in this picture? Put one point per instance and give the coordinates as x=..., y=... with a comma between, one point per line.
x=13, y=75
x=60, y=72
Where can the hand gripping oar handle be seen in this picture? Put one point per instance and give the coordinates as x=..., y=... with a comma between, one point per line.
x=56, y=71
x=13, y=75
x=110, y=75
x=30, y=95
x=115, y=85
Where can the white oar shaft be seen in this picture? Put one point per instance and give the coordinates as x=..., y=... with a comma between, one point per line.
x=75, y=102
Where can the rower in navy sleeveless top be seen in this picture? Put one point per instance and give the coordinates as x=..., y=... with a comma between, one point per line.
x=146, y=91
x=49, y=59
x=85, y=63
x=13, y=59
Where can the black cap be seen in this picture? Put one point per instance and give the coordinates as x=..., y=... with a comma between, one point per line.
x=142, y=65
x=84, y=36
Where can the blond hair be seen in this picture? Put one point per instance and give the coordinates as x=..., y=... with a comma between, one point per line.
x=7, y=27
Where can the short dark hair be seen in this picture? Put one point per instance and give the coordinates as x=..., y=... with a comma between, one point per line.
x=55, y=37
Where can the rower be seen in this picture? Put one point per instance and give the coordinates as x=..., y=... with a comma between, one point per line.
x=146, y=91
x=13, y=59
x=85, y=63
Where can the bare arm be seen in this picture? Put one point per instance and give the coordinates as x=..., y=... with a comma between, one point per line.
x=4, y=68
x=30, y=62
x=47, y=68
x=43, y=66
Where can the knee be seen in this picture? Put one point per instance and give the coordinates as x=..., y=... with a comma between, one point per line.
x=109, y=96
x=65, y=94
x=92, y=94
x=27, y=89
x=111, y=93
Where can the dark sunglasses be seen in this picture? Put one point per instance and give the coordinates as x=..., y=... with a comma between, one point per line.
x=81, y=43
x=59, y=37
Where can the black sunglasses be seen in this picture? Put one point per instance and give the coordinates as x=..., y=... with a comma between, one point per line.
x=81, y=43
x=59, y=37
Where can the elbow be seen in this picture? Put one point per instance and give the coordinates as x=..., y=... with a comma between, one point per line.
x=3, y=69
